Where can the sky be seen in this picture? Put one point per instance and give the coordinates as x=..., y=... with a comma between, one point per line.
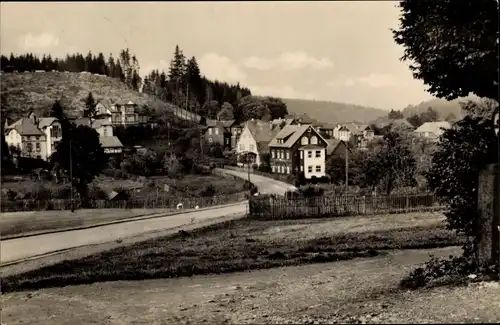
x=334, y=51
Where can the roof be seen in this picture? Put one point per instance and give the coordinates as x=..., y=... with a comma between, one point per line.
x=110, y=142
x=332, y=145
x=433, y=127
x=43, y=122
x=223, y=123
x=24, y=126
x=82, y=121
x=328, y=126
x=261, y=131
x=292, y=133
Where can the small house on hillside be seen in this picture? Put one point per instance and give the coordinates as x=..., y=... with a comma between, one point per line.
x=254, y=141
x=432, y=130
x=111, y=145
x=223, y=132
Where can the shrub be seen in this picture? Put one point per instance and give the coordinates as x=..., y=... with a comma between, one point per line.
x=311, y=191
x=208, y=191
x=453, y=270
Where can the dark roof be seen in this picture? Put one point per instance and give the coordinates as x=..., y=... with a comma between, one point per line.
x=45, y=121
x=24, y=126
x=332, y=145
x=82, y=121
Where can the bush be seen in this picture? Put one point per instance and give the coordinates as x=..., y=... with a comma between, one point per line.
x=255, y=166
x=454, y=270
x=208, y=191
x=311, y=191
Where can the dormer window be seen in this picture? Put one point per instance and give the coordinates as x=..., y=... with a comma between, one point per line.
x=304, y=141
x=314, y=140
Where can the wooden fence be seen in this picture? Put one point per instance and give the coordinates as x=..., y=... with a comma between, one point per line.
x=272, y=207
x=169, y=202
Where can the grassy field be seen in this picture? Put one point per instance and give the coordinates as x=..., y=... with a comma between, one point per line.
x=38, y=91
x=246, y=245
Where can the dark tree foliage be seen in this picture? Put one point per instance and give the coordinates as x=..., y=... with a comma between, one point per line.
x=79, y=150
x=395, y=115
x=127, y=70
x=452, y=44
x=462, y=152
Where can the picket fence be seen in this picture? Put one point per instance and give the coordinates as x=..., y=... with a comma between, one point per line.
x=273, y=207
x=168, y=202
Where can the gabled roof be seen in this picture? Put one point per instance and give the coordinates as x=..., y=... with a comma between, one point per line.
x=332, y=145
x=44, y=122
x=24, y=126
x=110, y=142
x=261, y=131
x=433, y=127
x=291, y=133
x=224, y=123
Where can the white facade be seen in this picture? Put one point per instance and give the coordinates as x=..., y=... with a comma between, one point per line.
x=104, y=130
x=247, y=143
x=313, y=162
x=342, y=133
x=53, y=134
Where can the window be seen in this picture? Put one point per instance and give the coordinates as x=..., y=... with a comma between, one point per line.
x=273, y=168
x=216, y=131
x=210, y=140
x=318, y=169
x=301, y=154
x=37, y=138
x=314, y=140
x=318, y=154
x=301, y=168
x=310, y=169
x=227, y=140
x=38, y=147
x=287, y=155
x=273, y=154
x=287, y=169
x=210, y=131
x=105, y=131
x=251, y=147
x=280, y=154
x=242, y=147
x=304, y=141
x=309, y=154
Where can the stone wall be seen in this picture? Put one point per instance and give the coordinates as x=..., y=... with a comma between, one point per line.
x=489, y=213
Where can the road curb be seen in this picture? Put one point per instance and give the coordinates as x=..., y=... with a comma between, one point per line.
x=138, y=218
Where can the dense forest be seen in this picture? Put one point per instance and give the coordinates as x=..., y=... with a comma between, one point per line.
x=183, y=84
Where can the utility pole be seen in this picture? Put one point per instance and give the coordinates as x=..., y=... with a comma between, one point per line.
x=346, y=168
x=71, y=174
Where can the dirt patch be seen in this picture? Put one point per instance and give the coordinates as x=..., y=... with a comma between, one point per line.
x=326, y=293
x=227, y=247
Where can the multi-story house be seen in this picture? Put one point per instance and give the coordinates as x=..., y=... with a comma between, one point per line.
x=327, y=129
x=254, y=140
x=110, y=143
x=342, y=132
x=432, y=130
x=121, y=113
x=298, y=148
x=34, y=137
x=224, y=133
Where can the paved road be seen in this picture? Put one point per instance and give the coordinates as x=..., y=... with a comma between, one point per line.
x=27, y=247
x=264, y=184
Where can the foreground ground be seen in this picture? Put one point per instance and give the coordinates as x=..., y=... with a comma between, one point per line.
x=341, y=292
x=246, y=244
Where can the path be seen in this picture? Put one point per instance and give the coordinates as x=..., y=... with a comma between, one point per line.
x=265, y=185
x=329, y=292
x=27, y=247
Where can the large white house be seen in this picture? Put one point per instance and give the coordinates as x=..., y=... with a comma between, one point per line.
x=34, y=137
x=254, y=140
x=432, y=130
